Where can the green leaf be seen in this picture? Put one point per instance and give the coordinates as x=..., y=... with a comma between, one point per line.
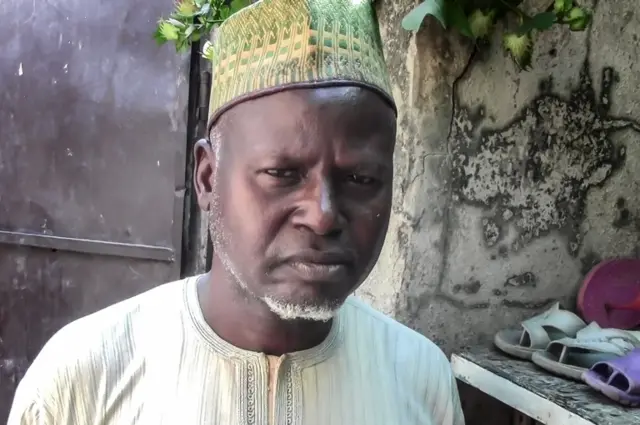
x=225, y=12
x=185, y=8
x=158, y=36
x=182, y=45
x=520, y=47
x=541, y=21
x=176, y=23
x=435, y=8
x=207, y=51
x=455, y=17
x=189, y=32
x=204, y=9
x=481, y=23
x=578, y=19
x=237, y=5
x=561, y=7
x=167, y=31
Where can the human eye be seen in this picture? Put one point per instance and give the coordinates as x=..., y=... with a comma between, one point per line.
x=281, y=177
x=282, y=173
x=361, y=179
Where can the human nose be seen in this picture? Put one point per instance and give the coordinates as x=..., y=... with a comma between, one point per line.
x=319, y=211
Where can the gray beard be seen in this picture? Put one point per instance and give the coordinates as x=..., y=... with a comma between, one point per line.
x=284, y=309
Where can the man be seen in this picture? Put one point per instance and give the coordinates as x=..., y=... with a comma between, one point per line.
x=296, y=180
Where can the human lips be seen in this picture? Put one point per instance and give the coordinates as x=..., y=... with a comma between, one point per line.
x=324, y=267
x=319, y=272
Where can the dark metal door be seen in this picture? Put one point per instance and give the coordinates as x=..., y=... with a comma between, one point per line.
x=92, y=165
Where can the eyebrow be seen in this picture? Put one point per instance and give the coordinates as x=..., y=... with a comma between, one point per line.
x=365, y=163
x=292, y=147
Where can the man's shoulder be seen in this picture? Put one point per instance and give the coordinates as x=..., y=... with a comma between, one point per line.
x=82, y=354
x=119, y=320
x=402, y=342
x=418, y=370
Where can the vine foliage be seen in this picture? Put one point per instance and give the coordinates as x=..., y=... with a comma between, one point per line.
x=476, y=19
x=192, y=21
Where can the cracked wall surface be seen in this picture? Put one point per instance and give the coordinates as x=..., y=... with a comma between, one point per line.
x=509, y=185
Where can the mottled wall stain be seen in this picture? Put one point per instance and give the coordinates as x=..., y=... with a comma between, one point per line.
x=534, y=173
x=526, y=279
x=624, y=216
x=472, y=287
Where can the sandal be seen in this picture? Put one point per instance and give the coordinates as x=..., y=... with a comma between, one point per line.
x=571, y=357
x=618, y=379
x=538, y=331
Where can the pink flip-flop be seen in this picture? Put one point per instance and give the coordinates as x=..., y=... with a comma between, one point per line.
x=610, y=294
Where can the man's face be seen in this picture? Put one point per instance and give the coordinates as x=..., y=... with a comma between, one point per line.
x=299, y=195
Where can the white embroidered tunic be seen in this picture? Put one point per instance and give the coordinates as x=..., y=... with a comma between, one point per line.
x=153, y=360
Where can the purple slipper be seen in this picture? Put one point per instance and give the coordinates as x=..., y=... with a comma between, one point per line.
x=618, y=379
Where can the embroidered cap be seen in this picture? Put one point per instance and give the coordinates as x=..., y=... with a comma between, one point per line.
x=274, y=45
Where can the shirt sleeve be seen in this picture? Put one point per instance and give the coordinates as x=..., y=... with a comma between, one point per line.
x=443, y=393
x=28, y=407
x=457, y=416
x=36, y=400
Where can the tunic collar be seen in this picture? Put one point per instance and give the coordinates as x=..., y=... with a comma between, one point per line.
x=305, y=358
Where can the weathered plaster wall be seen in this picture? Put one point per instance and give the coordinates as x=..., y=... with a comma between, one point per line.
x=510, y=185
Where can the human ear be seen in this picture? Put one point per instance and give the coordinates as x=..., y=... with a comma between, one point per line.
x=203, y=173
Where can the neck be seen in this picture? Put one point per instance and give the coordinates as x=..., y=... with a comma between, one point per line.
x=247, y=323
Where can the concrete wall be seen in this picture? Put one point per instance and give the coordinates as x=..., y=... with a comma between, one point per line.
x=510, y=185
